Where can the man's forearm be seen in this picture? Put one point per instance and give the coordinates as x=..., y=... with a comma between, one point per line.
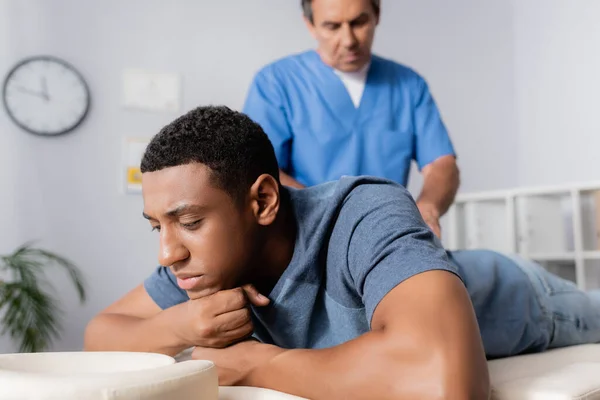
x=371, y=367
x=440, y=183
x=116, y=332
x=287, y=180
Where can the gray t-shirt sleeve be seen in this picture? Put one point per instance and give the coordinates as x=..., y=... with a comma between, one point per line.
x=389, y=243
x=162, y=287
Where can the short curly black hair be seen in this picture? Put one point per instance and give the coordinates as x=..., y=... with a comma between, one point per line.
x=234, y=147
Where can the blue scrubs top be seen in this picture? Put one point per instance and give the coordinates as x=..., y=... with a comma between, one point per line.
x=319, y=135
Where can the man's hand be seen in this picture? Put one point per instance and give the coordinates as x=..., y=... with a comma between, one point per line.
x=216, y=320
x=236, y=363
x=431, y=216
x=220, y=319
x=441, y=179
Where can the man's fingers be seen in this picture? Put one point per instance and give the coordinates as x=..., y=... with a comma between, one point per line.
x=226, y=301
x=240, y=333
x=232, y=320
x=230, y=337
x=255, y=297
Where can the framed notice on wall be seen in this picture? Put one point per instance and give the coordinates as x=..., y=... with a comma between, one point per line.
x=133, y=151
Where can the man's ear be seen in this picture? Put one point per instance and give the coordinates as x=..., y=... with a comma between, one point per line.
x=265, y=199
x=311, y=27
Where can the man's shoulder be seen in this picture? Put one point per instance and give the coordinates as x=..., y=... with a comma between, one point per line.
x=367, y=195
x=356, y=194
x=402, y=72
x=284, y=66
x=371, y=189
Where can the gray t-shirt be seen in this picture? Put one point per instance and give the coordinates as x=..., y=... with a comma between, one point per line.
x=357, y=238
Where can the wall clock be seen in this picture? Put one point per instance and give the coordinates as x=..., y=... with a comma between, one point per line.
x=46, y=96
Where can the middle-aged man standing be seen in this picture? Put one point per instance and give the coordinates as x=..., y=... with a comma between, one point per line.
x=341, y=110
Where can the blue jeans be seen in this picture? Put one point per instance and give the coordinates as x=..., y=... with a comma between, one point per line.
x=573, y=315
x=522, y=308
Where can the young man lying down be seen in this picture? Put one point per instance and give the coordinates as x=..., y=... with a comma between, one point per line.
x=334, y=291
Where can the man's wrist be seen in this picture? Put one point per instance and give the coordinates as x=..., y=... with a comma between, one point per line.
x=256, y=375
x=175, y=325
x=429, y=208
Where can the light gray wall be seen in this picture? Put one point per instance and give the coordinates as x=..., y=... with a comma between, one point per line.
x=465, y=51
x=558, y=90
x=65, y=191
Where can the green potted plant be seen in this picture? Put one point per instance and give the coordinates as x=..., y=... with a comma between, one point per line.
x=29, y=312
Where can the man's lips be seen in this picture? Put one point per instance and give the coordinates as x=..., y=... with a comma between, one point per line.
x=188, y=282
x=352, y=56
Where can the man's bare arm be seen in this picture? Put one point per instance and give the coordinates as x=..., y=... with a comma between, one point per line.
x=424, y=344
x=287, y=180
x=441, y=180
x=136, y=322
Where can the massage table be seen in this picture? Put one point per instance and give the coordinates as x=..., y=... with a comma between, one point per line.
x=561, y=374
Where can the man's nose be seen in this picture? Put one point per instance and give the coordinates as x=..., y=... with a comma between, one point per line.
x=348, y=37
x=171, y=249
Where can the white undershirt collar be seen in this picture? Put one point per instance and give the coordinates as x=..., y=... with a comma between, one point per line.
x=354, y=82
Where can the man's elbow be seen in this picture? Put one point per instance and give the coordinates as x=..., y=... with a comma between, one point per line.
x=476, y=387
x=99, y=335
x=456, y=175
x=452, y=173
x=443, y=385
x=462, y=371
x=91, y=334
x=429, y=373
x=469, y=391
x=464, y=378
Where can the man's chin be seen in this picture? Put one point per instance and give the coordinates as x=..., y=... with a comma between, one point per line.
x=353, y=65
x=197, y=293
x=194, y=294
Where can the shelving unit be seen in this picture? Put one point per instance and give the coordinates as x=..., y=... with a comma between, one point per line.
x=559, y=227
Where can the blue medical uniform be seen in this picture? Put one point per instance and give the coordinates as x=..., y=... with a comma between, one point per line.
x=318, y=133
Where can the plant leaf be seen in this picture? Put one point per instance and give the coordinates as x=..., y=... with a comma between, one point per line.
x=31, y=316
x=74, y=273
x=26, y=262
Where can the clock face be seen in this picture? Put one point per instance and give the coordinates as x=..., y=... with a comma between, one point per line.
x=46, y=96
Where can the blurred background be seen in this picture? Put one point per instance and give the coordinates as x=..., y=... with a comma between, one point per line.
x=516, y=81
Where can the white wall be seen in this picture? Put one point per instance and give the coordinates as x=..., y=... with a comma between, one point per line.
x=465, y=51
x=8, y=216
x=65, y=192
x=558, y=90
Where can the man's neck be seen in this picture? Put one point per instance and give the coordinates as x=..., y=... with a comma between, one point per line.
x=325, y=60
x=278, y=248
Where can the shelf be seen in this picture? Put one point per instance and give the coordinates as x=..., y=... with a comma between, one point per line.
x=592, y=273
x=591, y=255
x=528, y=191
x=555, y=226
x=551, y=256
x=587, y=255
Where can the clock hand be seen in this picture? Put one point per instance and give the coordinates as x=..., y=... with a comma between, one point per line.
x=28, y=91
x=45, y=89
